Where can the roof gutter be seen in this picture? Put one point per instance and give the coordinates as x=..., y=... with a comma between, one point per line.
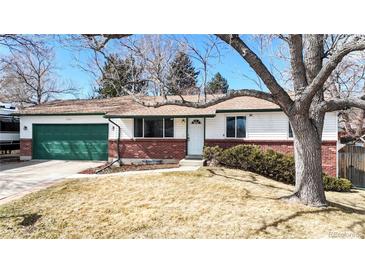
x=59, y=114
x=195, y=115
x=107, y=116
x=158, y=116
x=249, y=110
x=118, y=150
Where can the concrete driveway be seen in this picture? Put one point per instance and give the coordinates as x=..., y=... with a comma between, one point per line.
x=18, y=178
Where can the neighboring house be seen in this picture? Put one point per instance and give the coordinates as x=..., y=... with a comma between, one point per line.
x=89, y=129
x=9, y=128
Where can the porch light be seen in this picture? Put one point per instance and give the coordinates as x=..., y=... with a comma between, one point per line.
x=25, y=128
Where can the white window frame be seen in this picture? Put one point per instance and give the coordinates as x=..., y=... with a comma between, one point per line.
x=163, y=129
x=235, y=126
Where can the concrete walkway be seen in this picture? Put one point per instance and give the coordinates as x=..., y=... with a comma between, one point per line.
x=17, y=179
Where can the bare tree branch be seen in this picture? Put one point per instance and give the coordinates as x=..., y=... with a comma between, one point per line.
x=335, y=104
x=281, y=97
x=330, y=66
x=203, y=56
x=99, y=41
x=234, y=94
x=16, y=42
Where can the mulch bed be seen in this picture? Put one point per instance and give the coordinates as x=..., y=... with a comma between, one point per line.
x=123, y=168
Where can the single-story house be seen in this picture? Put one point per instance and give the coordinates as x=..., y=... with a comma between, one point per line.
x=97, y=129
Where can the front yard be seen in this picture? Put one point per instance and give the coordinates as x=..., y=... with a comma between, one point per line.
x=208, y=203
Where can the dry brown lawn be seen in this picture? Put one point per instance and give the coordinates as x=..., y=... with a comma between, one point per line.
x=208, y=203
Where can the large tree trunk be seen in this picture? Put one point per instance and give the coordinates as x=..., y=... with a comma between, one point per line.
x=309, y=188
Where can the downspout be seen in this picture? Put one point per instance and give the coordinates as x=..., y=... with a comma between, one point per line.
x=186, y=135
x=118, y=150
x=337, y=144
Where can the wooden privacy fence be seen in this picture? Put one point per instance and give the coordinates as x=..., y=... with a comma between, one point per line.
x=351, y=164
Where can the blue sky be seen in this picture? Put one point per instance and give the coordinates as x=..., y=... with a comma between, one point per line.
x=69, y=70
x=231, y=65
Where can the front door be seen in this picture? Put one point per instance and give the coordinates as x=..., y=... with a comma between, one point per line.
x=195, y=136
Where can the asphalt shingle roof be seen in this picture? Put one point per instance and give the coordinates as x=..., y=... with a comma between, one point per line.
x=125, y=106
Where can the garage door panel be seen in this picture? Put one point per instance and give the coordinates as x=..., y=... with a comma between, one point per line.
x=70, y=142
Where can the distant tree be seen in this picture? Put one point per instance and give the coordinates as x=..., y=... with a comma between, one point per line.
x=218, y=84
x=182, y=76
x=29, y=76
x=16, y=42
x=119, y=76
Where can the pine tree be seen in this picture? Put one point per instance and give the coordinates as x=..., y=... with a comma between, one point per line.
x=218, y=84
x=119, y=76
x=182, y=76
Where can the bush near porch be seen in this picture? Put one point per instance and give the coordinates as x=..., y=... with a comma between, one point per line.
x=268, y=163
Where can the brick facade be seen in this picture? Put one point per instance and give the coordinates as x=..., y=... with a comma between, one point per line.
x=26, y=147
x=329, y=158
x=176, y=149
x=149, y=149
x=328, y=149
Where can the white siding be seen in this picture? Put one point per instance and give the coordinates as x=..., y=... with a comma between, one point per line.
x=126, y=129
x=216, y=127
x=126, y=125
x=265, y=126
x=259, y=125
x=330, y=127
x=180, y=128
x=28, y=121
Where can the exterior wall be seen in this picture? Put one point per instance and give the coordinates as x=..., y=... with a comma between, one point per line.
x=267, y=129
x=329, y=158
x=329, y=149
x=25, y=149
x=149, y=149
x=126, y=129
x=265, y=126
x=180, y=128
x=133, y=149
x=260, y=126
x=157, y=146
x=271, y=130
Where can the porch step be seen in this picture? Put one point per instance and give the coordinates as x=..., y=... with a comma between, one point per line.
x=194, y=157
x=187, y=162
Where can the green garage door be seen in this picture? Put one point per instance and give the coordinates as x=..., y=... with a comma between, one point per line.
x=70, y=141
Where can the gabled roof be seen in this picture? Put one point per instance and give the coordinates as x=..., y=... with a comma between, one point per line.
x=125, y=106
